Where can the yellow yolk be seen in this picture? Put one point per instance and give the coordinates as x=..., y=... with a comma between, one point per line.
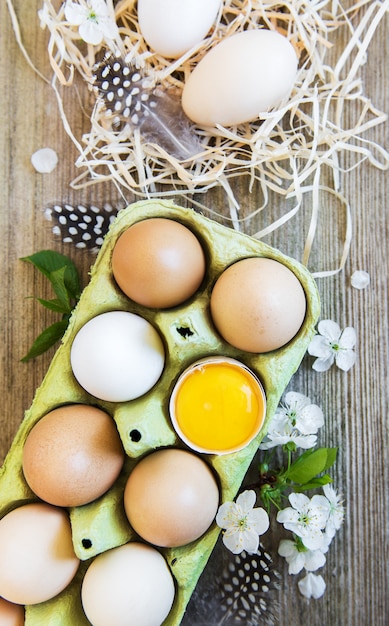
x=219, y=406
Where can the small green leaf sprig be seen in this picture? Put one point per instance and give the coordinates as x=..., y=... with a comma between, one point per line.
x=64, y=278
x=297, y=474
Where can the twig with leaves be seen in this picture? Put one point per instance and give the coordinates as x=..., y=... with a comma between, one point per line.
x=64, y=278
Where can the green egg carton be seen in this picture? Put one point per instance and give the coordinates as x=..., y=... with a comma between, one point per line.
x=188, y=335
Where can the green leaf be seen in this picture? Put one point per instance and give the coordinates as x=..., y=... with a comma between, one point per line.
x=46, y=339
x=310, y=464
x=48, y=261
x=319, y=481
x=57, y=279
x=53, y=305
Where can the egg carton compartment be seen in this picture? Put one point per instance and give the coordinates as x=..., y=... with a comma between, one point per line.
x=188, y=334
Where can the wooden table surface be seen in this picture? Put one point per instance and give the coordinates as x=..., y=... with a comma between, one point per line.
x=355, y=404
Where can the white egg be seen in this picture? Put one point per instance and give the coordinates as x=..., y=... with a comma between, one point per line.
x=128, y=586
x=240, y=78
x=37, y=559
x=172, y=27
x=117, y=356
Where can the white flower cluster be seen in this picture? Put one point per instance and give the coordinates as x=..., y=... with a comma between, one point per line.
x=314, y=522
x=297, y=420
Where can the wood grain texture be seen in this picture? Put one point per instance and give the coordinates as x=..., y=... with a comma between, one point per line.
x=356, y=404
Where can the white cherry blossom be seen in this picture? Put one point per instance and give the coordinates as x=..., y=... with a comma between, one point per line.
x=306, y=518
x=94, y=18
x=312, y=586
x=336, y=511
x=242, y=523
x=298, y=556
x=333, y=345
x=296, y=420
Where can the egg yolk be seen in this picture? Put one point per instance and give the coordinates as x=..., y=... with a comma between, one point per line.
x=219, y=407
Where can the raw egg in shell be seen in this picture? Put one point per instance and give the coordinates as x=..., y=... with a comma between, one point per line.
x=171, y=497
x=117, y=356
x=130, y=585
x=37, y=559
x=241, y=77
x=172, y=27
x=258, y=304
x=72, y=455
x=158, y=263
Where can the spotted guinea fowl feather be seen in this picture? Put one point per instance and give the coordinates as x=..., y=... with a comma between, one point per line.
x=235, y=590
x=133, y=101
x=82, y=226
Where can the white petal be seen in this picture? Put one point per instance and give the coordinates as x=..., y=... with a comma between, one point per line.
x=319, y=347
x=250, y=541
x=348, y=338
x=330, y=530
x=335, y=519
x=287, y=516
x=312, y=586
x=313, y=539
x=314, y=559
x=287, y=548
x=345, y=359
x=109, y=29
x=360, y=279
x=296, y=563
x=74, y=13
x=44, y=160
x=225, y=515
x=279, y=422
x=293, y=398
x=298, y=500
x=327, y=539
x=267, y=444
x=320, y=507
x=99, y=7
x=293, y=557
x=258, y=521
x=329, y=329
x=305, y=441
x=234, y=542
x=330, y=493
x=310, y=420
x=90, y=32
x=322, y=365
x=246, y=500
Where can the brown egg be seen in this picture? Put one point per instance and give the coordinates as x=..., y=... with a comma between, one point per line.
x=171, y=497
x=258, y=305
x=72, y=455
x=158, y=263
x=11, y=614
